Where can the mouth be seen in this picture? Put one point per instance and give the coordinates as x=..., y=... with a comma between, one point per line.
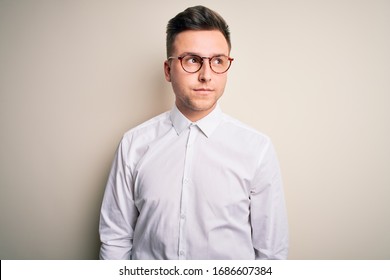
x=203, y=90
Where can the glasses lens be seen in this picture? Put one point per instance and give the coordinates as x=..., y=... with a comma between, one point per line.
x=220, y=64
x=191, y=63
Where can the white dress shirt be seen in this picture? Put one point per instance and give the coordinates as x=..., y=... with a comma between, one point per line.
x=205, y=190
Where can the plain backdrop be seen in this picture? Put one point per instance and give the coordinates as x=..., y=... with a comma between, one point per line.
x=313, y=75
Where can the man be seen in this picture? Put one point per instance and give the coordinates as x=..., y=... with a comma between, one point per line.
x=194, y=183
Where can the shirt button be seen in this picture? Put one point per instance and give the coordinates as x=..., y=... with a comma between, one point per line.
x=181, y=253
x=182, y=216
x=186, y=180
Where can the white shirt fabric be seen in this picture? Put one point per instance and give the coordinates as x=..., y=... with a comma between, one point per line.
x=205, y=190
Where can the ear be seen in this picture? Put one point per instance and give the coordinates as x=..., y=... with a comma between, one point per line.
x=167, y=71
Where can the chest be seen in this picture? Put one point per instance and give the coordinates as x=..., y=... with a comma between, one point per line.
x=212, y=172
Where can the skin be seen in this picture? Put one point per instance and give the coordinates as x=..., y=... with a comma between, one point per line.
x=196, y=94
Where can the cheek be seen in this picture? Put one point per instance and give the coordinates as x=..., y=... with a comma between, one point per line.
x=178, y=86
x=222, y=82
x=181, y=81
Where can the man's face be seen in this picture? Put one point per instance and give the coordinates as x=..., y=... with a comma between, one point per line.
x=197, y=93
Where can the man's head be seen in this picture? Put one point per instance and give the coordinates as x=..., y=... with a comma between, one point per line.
x=198, y=48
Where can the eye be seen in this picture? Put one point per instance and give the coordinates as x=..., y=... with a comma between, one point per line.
x=193, y=59
x=219, y=60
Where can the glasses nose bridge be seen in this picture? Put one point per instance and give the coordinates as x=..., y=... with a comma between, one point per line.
x=202, y=62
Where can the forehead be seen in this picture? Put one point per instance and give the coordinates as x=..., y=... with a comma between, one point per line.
x=205, y=42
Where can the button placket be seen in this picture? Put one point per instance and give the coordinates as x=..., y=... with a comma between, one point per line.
x=184, y=194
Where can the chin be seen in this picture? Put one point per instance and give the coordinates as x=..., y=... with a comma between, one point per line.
x=203, y=106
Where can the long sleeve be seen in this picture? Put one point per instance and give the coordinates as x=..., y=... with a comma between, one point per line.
x=118, y=212
x=268, y=210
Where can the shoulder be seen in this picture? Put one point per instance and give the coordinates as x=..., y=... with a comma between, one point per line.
x=146, y=132
x=243, y=130
x=149, y=127
x=135, y=141
x=252, y=142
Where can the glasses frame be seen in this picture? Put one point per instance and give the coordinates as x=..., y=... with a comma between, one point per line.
x=180, y=58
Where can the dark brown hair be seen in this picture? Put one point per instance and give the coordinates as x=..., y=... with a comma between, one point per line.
x=195, y=18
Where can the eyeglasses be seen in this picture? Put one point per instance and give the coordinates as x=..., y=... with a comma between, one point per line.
x=192, y=63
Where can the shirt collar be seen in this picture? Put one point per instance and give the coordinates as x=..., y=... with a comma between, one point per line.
x=207, y=124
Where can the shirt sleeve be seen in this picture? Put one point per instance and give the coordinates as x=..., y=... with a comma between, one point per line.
x=268, y=210
x=118, y=213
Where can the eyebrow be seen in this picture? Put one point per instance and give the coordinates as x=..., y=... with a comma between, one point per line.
x=198, y=54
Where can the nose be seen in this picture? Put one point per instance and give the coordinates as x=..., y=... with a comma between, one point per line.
x=205, y=72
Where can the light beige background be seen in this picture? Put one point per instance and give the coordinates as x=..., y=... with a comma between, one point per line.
x=313, y=75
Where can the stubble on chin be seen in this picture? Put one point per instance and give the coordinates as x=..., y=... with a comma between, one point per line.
x=199, y=105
